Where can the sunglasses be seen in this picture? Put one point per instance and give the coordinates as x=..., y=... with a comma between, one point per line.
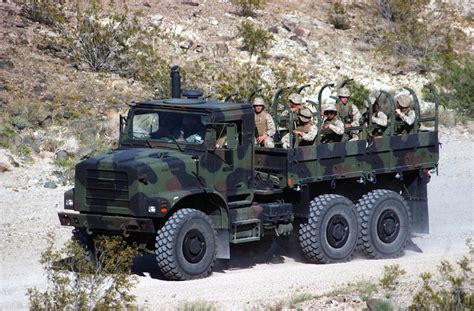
x=329, y=112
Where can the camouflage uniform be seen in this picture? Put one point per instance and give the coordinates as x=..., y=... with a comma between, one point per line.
x=335, y=125
x=306, y=126
x=408, y=116
x=264, y=124
x=352, y=115
x=378, y=117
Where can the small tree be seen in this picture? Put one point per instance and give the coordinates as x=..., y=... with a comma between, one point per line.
x=77, y=283
x=248, y=7
x=256, y=40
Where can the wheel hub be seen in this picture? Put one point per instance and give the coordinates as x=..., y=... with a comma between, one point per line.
x=388, y=226
x=194, y=246
x=337, y=231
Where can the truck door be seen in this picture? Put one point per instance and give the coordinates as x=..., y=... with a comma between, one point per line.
x=232, y=163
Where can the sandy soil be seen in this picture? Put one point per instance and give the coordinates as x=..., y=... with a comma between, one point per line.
x=253, y=278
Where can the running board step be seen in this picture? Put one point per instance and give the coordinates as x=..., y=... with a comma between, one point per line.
x=245, y=231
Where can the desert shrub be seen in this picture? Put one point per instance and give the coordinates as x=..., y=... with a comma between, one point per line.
x=248, y=7
x=110, y=40
x=391, y=275
x=7, y=134
x=101, y=40
x=24, y=113
x=48, y=12
x=338, y=16
x=299, y=298
x=77, y=283
x=457, y=292
x=406, y=34
x=455, y=82
x=199, y=305
x=243, y=80
x=256, y=40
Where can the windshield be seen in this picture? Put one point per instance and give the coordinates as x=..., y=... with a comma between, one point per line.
x=168, y=126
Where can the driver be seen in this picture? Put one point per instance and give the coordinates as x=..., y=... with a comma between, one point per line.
x=192, y=130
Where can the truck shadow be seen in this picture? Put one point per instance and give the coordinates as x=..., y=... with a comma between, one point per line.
x=248, y=255
x=243, y=256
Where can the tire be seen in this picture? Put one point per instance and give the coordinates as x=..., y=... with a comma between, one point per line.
x=85, y=241
x=385, y=224
x=330, y=235
x=186, y=245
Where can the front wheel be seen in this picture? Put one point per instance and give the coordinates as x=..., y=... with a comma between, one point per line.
x=331, y=232
x=186, y=245
x=385, y=224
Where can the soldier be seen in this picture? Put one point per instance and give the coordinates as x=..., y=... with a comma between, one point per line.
x=296, y=102
x=405, y=114
x=305, y=130
x=332, y=122
x=264, y=124
x=352, y=115
x=192, y=130
x=378, y=117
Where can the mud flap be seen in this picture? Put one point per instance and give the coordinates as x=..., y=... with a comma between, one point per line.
x=418, y=202
x=222, y=245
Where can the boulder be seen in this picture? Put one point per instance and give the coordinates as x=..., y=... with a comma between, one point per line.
x=186, y=44
x=6, y=64
x=301, y=32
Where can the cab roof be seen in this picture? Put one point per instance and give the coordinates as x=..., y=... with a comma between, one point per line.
x=192, y=104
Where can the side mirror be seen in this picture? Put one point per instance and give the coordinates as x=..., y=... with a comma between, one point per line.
x=123, y=124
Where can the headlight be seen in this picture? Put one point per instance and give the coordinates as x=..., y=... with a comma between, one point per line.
x=69, y=199
x=151, y=209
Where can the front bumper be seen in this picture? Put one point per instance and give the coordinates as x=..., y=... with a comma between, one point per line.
x=96, y=222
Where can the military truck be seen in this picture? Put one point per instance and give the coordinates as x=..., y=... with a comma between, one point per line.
x=187, y=180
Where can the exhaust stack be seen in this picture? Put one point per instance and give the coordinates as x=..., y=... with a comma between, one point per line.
x=175, y=82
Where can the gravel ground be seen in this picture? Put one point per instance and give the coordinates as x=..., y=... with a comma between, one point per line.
x=254, y=278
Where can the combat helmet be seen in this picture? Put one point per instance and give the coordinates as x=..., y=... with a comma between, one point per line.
x=304, y=115
x=258, y=101
x=330, y=107
x=296, y=98
x=403, y=100
x=343, y=92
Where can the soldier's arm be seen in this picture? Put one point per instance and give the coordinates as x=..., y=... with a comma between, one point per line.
x=380, y=118
x=270, y=126
x=356, y=116
x=408, y=118
x=311, y=135
x=337, y=128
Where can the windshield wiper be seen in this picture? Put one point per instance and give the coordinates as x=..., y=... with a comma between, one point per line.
x=148, y=143
x=176, y=142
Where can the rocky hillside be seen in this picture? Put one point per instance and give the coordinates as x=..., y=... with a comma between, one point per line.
x=54, y=103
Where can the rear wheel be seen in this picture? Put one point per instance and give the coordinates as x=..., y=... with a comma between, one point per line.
x=331, y=232
x=385, y=224
x=186, y=245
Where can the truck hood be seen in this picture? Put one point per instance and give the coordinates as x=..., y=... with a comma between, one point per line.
x=130, y=177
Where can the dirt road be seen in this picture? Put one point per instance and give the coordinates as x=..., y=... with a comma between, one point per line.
x=253, y=277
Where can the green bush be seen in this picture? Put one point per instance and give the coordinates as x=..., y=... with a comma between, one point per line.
x=77, y=283
x=248, y=7
x=256, y=40
x=48, y=12
x=406, y=34
x=338, y=16
x=455, y=82
x=458, y=294
x=391, y=275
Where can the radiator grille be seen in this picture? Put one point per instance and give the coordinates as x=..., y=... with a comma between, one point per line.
x=107, y=188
